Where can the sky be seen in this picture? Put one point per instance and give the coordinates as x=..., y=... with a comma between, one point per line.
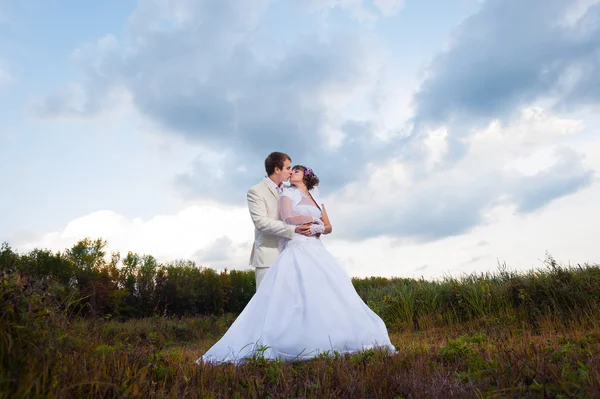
x=450, y=137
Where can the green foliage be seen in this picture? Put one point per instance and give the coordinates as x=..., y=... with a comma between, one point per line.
x=136, y=286
x=33, y=317
x=84, y=334
x=565, y=293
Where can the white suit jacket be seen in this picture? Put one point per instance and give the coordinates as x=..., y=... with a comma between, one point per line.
x=263, y=203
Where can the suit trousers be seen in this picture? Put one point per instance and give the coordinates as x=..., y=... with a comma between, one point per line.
x=260, y=273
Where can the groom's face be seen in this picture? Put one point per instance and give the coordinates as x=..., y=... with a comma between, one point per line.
x=284, y=174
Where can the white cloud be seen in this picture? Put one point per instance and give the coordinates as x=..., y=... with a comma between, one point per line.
x=536, y=128
x=355, y=7
x=577, y=10
x=568, y=230
x=523, y=163
x=389, y=7
x=198, y=72
x=509, y=54
x=219, y=236
x=359, y=9
x=193, y=233
x=74, y=101
x=436, y=146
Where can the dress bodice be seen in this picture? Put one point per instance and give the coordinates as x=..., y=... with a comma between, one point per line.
x=303, y=204
x=303, y=207
x=308, y=210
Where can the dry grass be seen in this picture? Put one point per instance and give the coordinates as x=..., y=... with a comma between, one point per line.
x=505, y=335
x=144, y=358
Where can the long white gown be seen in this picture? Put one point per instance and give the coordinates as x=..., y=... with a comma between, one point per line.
x=306, y=304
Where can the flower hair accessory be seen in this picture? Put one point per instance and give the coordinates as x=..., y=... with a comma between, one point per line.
x=308, y=172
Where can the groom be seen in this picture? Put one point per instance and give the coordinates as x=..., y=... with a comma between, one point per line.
x=263, y=203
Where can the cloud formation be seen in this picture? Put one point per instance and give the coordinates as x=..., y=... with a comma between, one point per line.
x=212, y=73
x=450, y=199
x=198, y=70
x=389, y=7
x=211, y=236
x=510, y=54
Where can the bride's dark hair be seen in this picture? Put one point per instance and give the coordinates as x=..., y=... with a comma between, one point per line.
x=310, y=179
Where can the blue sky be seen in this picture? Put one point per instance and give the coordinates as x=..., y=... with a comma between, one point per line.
x=438, y=128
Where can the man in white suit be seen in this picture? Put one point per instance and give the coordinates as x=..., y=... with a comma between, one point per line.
x=263, y=203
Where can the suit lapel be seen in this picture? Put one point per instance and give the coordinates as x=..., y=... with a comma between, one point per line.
x=271, y=188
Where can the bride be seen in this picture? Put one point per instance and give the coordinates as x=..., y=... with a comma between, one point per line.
x=306, y=304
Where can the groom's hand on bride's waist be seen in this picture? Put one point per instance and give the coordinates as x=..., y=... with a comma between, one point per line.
x=304, y=229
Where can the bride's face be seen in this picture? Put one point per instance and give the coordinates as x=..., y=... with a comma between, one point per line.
x=297, y=176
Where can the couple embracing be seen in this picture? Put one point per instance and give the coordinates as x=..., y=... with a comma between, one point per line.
x=305, y=303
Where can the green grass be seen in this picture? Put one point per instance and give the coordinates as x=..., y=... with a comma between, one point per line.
x=507, y=334
x=154, y=357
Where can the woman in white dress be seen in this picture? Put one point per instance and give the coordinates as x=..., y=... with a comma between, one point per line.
x=306, y=304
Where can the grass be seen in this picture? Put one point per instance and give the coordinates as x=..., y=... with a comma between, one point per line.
x=492, y=335
x=154, y=357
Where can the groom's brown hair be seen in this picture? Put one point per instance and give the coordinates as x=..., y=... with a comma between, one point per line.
x=275, y=160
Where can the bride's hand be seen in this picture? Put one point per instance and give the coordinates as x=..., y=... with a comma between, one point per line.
x=317, y=229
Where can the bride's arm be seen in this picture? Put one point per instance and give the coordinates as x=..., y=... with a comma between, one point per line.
x=288, y=214
x=326, y=221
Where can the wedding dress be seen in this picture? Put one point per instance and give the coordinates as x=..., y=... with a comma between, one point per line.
x=305, y=306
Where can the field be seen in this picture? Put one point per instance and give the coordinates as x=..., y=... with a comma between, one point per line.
x=507, y=334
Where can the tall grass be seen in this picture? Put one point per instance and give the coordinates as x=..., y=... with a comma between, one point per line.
x=47, y=352
x=503, y=334
x=565, y=293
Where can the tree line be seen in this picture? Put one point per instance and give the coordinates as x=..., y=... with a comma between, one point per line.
x=133, y=285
